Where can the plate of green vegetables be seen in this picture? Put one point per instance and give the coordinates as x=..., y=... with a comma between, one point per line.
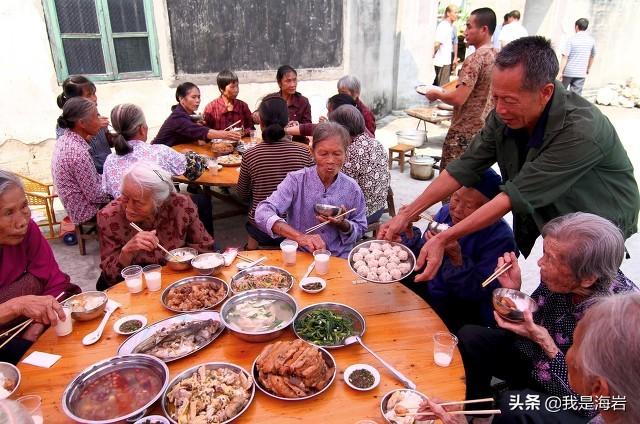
x=328, y=324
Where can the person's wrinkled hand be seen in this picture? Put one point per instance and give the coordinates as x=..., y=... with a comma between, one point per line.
x=441, y=413
x=454, y=252
x=143, y=241
x=231, y=135
x=322, y=119
x=431, y=254
x=42, y=309
x=104, y=121
x=391, y=230
x=511, y=279
x=311, y=242
x=433, y=95
x=528, y=328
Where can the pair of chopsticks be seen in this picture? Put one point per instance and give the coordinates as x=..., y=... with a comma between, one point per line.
x=232, y=125
x=504, y=268
x=18, y=328
x=322, y=224
x=462, y=402
x=133, y=224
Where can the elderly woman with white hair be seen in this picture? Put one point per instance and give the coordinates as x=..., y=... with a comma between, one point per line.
x=350, y=85
x=167, y=218
x=604, y=360
x=582, y=254
x=366, y=161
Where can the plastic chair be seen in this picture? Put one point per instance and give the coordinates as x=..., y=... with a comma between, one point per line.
x=38, y=195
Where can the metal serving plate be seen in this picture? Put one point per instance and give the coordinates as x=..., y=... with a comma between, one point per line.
x=358, y=320
x=193, y=280
x=385, y=399
x=209, y=365
x=411, y=259
x=328, y=358
x=129, y=345
x=261, y=270
x=97, y=370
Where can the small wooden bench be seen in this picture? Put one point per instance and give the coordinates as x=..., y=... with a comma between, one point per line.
x=403, y=150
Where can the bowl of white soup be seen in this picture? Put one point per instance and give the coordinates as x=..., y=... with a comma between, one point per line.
x=259, y=315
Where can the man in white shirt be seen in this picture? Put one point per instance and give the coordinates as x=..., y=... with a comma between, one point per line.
x=443, y=46
x=495, y=38
x=513, y=30
x=577, y=58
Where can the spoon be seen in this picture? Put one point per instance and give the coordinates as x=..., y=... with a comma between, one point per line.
x=94, y=336
x=407, y=383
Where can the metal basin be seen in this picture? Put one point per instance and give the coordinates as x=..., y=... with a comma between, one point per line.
x=259, y=270
x=326, y=210
x=193, y=280
x=510, y=304
x=182, y=264
x=338, y=308
x=415, y=138
x=202, y=263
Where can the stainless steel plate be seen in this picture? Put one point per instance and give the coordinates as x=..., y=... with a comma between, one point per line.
x=328, y=358
x=129, y=345
x=209, y=365
x=260, y=270
x=385, y=399
x=411, y=259
x=193, y=280
x=97, y=370
x=358, y=320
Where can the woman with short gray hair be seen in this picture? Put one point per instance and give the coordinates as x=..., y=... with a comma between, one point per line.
x=580, y=264
x=604, y=360
x=366, y=161
x=296, y=197
x=130, y=142
x=168, y=218
x=350, y=85
x=75, y=178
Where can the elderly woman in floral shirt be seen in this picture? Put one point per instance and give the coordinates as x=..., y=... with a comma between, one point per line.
x=582, y=254
x=167, y=218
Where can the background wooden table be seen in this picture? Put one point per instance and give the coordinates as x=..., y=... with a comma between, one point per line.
x=225, y=177
x=399, y=324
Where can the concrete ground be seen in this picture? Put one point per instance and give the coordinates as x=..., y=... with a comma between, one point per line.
x=84, y=271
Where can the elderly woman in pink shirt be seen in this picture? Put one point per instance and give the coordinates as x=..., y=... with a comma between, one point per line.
x=30, y=278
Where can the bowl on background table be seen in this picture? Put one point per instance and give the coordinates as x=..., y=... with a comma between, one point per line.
x=183, y=260
x=208, y=263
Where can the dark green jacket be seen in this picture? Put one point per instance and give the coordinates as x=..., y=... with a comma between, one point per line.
x=581, y=165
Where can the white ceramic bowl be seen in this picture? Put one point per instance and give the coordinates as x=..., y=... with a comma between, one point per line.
x=118, y=323
x=312, y=280
x=350, y=369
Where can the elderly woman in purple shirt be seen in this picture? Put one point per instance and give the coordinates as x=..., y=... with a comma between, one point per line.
x=296, y=196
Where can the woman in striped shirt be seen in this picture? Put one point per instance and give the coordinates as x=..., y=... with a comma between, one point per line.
x=267, y=164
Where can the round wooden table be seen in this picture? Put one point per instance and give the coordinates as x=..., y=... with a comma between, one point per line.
x=225, y=177
x=400, y=326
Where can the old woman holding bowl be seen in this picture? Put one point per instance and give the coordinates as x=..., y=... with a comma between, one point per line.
x=168, y=218
x=30, y=278
x=301, y=190
x=580, y=264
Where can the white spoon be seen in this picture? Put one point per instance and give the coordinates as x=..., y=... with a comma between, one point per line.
x=94, y=336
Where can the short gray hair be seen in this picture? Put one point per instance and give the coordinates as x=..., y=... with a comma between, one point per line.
x=610, y=348
x=150, y=177
x=327, y=130
x=349, y=117
x=351, y=83
x=9, y=180
x=596, y=245
x=537, y=58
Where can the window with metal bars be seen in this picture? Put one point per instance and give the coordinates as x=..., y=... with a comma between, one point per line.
x=105, y=39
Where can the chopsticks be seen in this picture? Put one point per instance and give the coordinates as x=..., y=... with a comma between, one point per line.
x=322, y=224
x=244, y=258
x=21, y=326
x=504, y=268
x=133, y=224
x=480, y=411
x=232, y=125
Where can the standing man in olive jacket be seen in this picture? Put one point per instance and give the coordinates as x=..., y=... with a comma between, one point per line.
x=556, y=151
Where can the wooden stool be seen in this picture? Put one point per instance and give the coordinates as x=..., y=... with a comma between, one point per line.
x=402, y=150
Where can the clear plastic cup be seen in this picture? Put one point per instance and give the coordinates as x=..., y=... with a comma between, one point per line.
x=443, y=345
x=253, y=135
x=133, y=278
x=321, y=257
x=289, y=251
x=153, y=277
x=65, y=327
x=33, y=405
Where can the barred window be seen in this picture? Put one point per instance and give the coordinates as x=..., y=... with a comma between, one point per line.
x=104, y=39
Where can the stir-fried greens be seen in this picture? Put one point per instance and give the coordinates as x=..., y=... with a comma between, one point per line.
x=324, y=327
